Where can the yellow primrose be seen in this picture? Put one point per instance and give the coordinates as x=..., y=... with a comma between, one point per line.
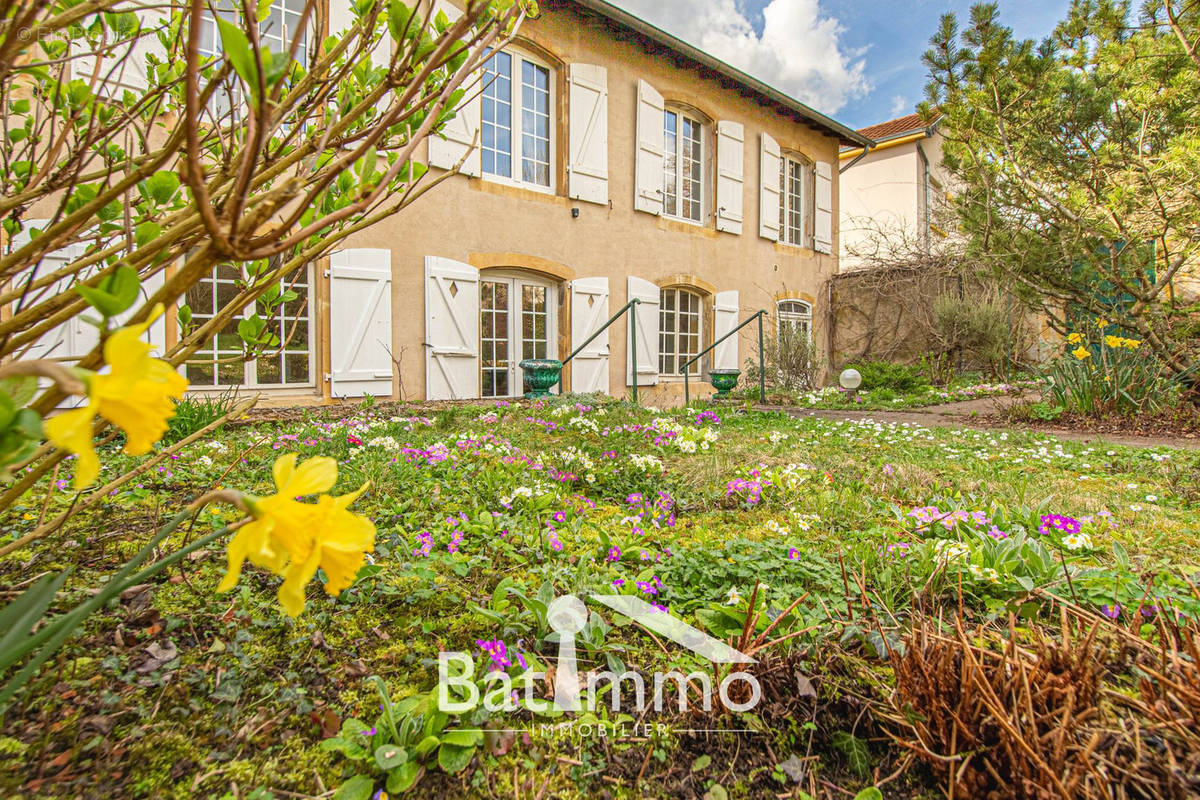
x=1075, y=338
x=292, y=539
x=137, y=394
x=1081, y=353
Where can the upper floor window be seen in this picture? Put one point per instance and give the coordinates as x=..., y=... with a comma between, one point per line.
x=276, y=32
x=795, y=201
x=683, y=172
x=517, y=142
x=679, y=330
x=793, y=319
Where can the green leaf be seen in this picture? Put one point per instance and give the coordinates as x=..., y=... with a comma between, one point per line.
x=452, y=758
x=146, y=232
x=21, y=388
x=18, y=618
x=184, y=315
x=360, y=787
x=390, y=756
x=264, y=9
x=870, y=793
x=116, y=293
x=161, y=186
x=701, y=763
x=237, y=49
x=462, y=738
x=426, y=746
x=856, y=752
x=399, y=19
x=403, y=777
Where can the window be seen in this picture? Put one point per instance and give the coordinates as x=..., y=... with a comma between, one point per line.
x=795, y=201
x=793, y=319
x=219, y=360
x=679, y=323
x=683, y=166
x=276, y=34
x=516, y=141
x=515, y=323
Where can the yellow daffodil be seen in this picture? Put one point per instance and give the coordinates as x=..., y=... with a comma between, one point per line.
x=293, y=539
x=1101, y=322
x=137, y=394
x=1113, y=341
x=1132, y=344
x=339, y=547
x=1081, y=353
x=1075, y=338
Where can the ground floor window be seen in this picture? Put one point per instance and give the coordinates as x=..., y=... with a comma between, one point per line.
x=793, y=319
x=516, y=322
x=219, y=361
x=679, y=330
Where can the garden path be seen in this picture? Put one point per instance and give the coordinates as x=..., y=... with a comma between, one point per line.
x=977, y=414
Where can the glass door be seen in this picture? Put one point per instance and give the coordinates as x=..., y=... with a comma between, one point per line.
x=515, y=323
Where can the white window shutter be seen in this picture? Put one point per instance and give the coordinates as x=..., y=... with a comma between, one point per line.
x=823, y=225
x=458, y=137
x=360, y=322
x=588, y=167
x=731, y=158
x=124, y=67
x=451, y=330
x=645, y=316
x=648, y=170
x=725, y=319
x=769, y=200
x=589, y=311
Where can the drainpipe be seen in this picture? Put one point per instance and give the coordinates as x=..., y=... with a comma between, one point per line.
x=866, y=149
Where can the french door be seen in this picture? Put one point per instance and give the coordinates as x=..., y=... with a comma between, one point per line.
x=516, y=322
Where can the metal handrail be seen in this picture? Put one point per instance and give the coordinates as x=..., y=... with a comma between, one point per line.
x=632, y=339
x=762, y=376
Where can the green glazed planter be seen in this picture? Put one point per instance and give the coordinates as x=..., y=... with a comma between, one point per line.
x=723, y=380
x=540, y=375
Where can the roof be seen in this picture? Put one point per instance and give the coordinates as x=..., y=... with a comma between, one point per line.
x=828, y=125
x=900, y=126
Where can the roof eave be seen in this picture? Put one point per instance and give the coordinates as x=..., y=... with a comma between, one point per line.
x=658, y=35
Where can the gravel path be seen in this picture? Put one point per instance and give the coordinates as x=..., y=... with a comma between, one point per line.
x=967, y=414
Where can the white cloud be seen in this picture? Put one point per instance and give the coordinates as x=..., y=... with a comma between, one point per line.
x=799, y=51
x=900, y=106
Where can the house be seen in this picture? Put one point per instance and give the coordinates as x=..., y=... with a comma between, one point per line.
x=614, y=162
x=890, y=192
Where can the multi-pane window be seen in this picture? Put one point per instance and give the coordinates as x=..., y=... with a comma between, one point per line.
x=794, y=178
x=515, y=323
x=683, y=166
x=515, y=134
x=794, y=320
x=276, y=32
x=679, y=322
x=493, y=325
x=220, y=360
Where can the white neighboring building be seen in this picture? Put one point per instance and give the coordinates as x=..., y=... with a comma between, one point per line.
x=890, y=191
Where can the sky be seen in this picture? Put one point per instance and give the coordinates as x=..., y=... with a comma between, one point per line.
x=858, y=61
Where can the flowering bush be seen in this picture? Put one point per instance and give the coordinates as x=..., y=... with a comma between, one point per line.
x=1102, y=374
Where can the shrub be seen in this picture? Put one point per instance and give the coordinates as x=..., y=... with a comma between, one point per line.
x=792, y=362
x=900, y=378
x=980, y=330
x=1102, y=374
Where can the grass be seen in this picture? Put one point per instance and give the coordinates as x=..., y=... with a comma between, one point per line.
x=250, y=694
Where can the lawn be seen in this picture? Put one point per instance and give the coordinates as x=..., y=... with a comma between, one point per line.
x=485, y=513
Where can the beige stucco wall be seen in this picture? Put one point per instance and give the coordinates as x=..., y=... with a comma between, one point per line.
x=883, y=208
x=479, y=222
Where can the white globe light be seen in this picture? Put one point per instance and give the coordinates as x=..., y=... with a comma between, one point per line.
x=850, y=379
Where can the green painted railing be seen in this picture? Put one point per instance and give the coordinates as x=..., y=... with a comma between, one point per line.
x=632, y=342
x=762, y=375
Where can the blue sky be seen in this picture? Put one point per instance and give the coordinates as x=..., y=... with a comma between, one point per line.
x=857, y=60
